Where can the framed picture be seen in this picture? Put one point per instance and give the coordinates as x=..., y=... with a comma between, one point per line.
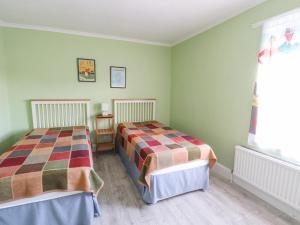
x=86, y=70
x=117, y=77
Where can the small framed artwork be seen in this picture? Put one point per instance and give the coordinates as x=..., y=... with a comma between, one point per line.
x=117, y=77
x=86, y=70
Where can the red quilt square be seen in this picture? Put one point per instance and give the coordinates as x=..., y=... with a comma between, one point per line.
x=141, y=164
x=25, y=147
x=144, y=152
x=65, y=133
x=121, y=128
x=130, y=137
x=80, y=162
x=153, y=143
x=12, y=161
x=79, y=153
x=197, y=142
x=59, y=156
x=151, y=126
x=8, y=171
x=188, y=138
x=52, y=132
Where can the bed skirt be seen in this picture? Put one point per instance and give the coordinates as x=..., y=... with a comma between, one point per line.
x=168, y=184
x=77, y=209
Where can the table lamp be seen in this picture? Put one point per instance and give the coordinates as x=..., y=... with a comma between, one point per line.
x=104, y=108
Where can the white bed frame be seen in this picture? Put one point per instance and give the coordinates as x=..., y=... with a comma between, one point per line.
x=48, y=113
x=134, y=110
x=139, y=110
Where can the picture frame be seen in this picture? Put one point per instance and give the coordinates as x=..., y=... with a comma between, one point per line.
x=86, y=69
x=117, y=77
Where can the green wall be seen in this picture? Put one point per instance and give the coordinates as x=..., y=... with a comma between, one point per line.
x=212, y=80
x=5, y=126
x=43, y=65
x=209, y=78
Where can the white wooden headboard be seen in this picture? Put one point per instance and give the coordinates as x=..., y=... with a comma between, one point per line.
x=48, y=113
x=134, y=110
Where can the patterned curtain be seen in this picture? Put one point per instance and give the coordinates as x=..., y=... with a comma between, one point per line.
x=275, y=119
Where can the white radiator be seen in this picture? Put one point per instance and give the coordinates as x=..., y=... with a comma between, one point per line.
x=274, y=177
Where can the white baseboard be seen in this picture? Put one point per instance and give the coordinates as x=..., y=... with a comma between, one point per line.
x=282, y=206
x=222, y=171
x=225, y=173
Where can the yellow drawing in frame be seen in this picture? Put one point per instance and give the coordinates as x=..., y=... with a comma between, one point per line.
x=86, y=70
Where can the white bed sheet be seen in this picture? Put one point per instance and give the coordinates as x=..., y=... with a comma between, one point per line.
x=54, y=195
x=184, y=166
x=39, y=198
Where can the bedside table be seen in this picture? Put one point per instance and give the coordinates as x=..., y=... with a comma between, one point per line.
x=107, y=131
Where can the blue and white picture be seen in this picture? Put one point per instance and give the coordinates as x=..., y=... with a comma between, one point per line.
x=117, y=77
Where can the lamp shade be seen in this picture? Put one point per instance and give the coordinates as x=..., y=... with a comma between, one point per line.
x=104, y=108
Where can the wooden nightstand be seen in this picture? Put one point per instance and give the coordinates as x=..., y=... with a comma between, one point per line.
x=107, y=131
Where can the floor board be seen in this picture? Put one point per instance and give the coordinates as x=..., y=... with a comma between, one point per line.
x=222, y=204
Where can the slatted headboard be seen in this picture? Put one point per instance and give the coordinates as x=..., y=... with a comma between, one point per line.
x=60, y=113
x=134, y=110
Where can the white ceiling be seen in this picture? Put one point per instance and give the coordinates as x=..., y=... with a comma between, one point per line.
x=165, y=22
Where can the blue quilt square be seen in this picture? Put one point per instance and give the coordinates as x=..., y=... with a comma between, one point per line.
x=48, y=140
x=170, y=135
x=148, y=138
x=79, y=137
x=62, y=149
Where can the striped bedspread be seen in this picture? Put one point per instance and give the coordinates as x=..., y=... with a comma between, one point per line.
x=153, y=146
x=55, y=159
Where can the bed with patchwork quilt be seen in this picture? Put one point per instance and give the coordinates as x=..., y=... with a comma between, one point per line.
x=50, y=160
x=162, y=161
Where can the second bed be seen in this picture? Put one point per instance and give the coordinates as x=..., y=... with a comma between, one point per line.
x=161, y=161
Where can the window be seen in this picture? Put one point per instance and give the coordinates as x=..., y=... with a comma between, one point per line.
x=275, y=120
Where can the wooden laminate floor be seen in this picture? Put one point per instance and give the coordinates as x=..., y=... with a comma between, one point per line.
x=224, y=203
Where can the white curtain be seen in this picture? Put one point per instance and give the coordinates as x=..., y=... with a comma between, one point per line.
x=275, y=122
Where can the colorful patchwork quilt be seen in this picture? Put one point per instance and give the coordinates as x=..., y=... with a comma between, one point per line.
x=153, y=146
x=55, y=159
